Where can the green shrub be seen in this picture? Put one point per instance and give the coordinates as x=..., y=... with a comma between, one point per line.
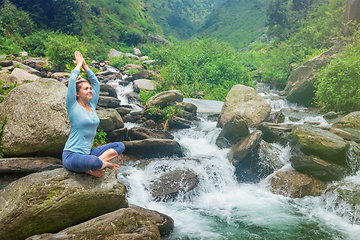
x=119, y=62
x=338, y=85
x=132, y=38
x=35, y=43
x=201, y=65
x=100, y=138
x=61, y=48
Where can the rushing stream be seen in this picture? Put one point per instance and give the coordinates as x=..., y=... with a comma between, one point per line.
x=220, y=207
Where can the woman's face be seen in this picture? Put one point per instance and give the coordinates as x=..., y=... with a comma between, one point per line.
x=85, y=91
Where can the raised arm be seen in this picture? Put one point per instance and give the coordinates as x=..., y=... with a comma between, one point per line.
x=71, y=92
x=94, y=84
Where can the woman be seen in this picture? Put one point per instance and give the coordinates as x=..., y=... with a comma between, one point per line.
x=81, y=101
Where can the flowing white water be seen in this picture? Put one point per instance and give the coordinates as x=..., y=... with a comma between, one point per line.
x=221, y=208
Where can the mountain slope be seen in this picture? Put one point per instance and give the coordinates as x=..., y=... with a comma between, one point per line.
x=238, y=22
x=180, y=18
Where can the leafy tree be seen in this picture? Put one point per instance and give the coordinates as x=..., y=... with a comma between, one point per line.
x=53, y=14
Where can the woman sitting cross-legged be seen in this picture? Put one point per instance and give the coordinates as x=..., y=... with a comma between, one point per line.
x=81, y=101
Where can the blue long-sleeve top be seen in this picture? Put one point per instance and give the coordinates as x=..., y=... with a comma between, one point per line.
x=83, y=124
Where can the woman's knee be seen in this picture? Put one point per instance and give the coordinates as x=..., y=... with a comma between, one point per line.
x=120, y=147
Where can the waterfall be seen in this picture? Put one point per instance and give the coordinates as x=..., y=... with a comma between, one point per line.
x=221, y=208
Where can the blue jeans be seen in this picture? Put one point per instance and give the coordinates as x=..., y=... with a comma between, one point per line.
x=78, y=162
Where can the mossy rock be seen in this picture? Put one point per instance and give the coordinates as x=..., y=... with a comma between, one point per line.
x=50, y=201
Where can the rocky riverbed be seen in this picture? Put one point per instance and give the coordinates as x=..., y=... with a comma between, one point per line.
x=42, y=200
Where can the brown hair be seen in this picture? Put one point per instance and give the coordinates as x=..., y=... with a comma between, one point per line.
x=78, y=85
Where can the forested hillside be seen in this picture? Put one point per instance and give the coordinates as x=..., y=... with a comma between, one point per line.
x=181, y=18
x=104, y=23
x=238, y=22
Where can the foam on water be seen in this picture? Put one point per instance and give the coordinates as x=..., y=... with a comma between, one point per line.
x=221, y=208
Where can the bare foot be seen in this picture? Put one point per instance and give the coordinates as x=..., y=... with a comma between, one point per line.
x=113, y=166
x=97, y=173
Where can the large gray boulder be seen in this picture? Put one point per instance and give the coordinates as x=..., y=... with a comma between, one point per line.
x=317, y=167
x=37, y=121
x=140, y=133
x=144, y=84
x=293, y=184
x=171, y=184
x=164, y=223
x=164, y=98
x=246, y=102
x=19, y=76
x=351, y=120
x=109, y=102
x=125, y=224
x=152, y=148
x=352, y=13
x=110, y=120
x=27, y=165
x=275, y=132
x=321, y=143
x=300, y=84
x=50, y=201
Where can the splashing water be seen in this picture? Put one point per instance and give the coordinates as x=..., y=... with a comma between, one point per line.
x=221, y=208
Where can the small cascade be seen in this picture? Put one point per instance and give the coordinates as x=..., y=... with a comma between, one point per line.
x=220, y=207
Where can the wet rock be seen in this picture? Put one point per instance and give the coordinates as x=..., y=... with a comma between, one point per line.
x=140, y=133
x=275, y=132
x=131, y=118
x=293, y=184
x=125, y=223
x=276, y=117
x=164, y=223
x=109, y=89
x=317, y=167
x=321, y=143
x=123, y=110
x=343, y=199
x=271, y=155
x=37, y=121
x=110, y=120
x=152, y=148
x=330, y=115
x=108, y=102
x=352, y=120
x=171, y=184
x=164, y=98
x=118, y=135
x=246, y=102
x=232, y=132
x=53, y=200
x=179, y=123
x=240, y=150
x=345, y=135
x=18, y=75
x=27, y=165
